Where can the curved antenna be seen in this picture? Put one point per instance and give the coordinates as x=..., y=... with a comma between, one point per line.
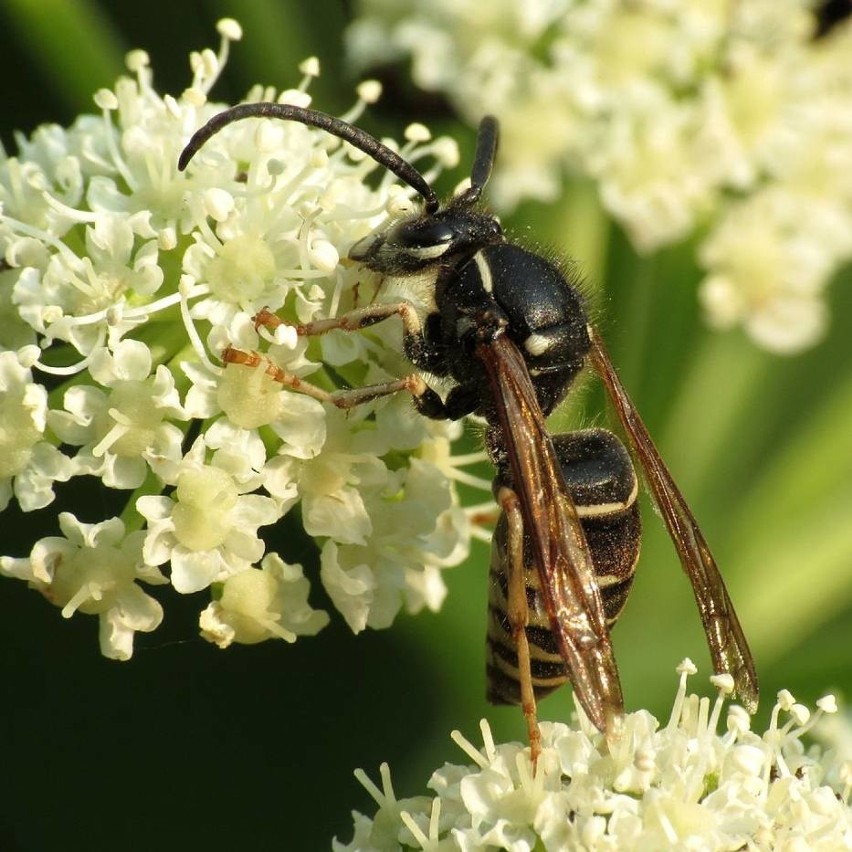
x=487, y=137
x=356, y=137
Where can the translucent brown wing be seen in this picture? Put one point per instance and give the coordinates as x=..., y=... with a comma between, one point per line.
x=568, y=584
x=728, y=646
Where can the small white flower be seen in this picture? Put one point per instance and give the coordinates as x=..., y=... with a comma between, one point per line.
x=679, y=786
x=259, y=604
x=239, y=451
x=95, y=569
x=207, y=529
x=124, y=429
x=414, y=528
x=767, y=271
x=252, y=398
x=72, y=285
x=29, y=465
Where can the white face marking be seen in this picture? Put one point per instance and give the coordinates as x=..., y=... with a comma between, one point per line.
x=484, y=272
x=537, y=344
x=426, y=252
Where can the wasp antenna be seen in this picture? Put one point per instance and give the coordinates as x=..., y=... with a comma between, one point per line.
x=486, y=151
x=356, y=137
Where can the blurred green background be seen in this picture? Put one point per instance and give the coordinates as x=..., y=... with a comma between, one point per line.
x=189, y=747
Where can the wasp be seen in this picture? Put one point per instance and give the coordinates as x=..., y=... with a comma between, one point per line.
x=507, y=328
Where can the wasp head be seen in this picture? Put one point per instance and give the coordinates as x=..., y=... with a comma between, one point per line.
x=431, y=239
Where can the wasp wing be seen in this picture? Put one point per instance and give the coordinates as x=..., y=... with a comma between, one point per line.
x=728, y=646
x=568, y=585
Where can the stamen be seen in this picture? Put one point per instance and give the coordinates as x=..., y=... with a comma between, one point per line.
x=334, y=304
x=370, y=787
x=310, y=68
x=368, y=92
x=272, y=625
x=419, y=837
x=468, y=748
x=435, y=818
x=86, y=592
x=73, y=369
x=20, y=227
x=468, y=478
x=387, y=785
x=480, y=534
x=725, y=685
x=230, y=31
x=185, y=287
x=122, y=427
x=488, y=739
x=685, y=669
x=116, y=160
x=470, y=458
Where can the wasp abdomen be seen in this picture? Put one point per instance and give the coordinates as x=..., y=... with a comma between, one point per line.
x=603, y=485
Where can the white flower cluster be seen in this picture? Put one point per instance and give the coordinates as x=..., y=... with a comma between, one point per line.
x=726, y=119
x=123, y=281
x=682, y=786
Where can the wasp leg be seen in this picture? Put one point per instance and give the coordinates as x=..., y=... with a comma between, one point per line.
x=425, y=399
x=351, y=321
x=418, y=348
x=420, y=340
x=518, y=614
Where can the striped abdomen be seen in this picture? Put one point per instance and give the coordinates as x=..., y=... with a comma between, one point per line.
x=602, y=482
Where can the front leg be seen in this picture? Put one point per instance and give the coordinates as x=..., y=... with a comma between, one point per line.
x=417, y=348
x=425, y=399
x=418, y=339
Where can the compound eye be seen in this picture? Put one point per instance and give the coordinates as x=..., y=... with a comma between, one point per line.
x=417, y=236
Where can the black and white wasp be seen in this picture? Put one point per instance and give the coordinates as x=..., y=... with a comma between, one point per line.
x=509, y=329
